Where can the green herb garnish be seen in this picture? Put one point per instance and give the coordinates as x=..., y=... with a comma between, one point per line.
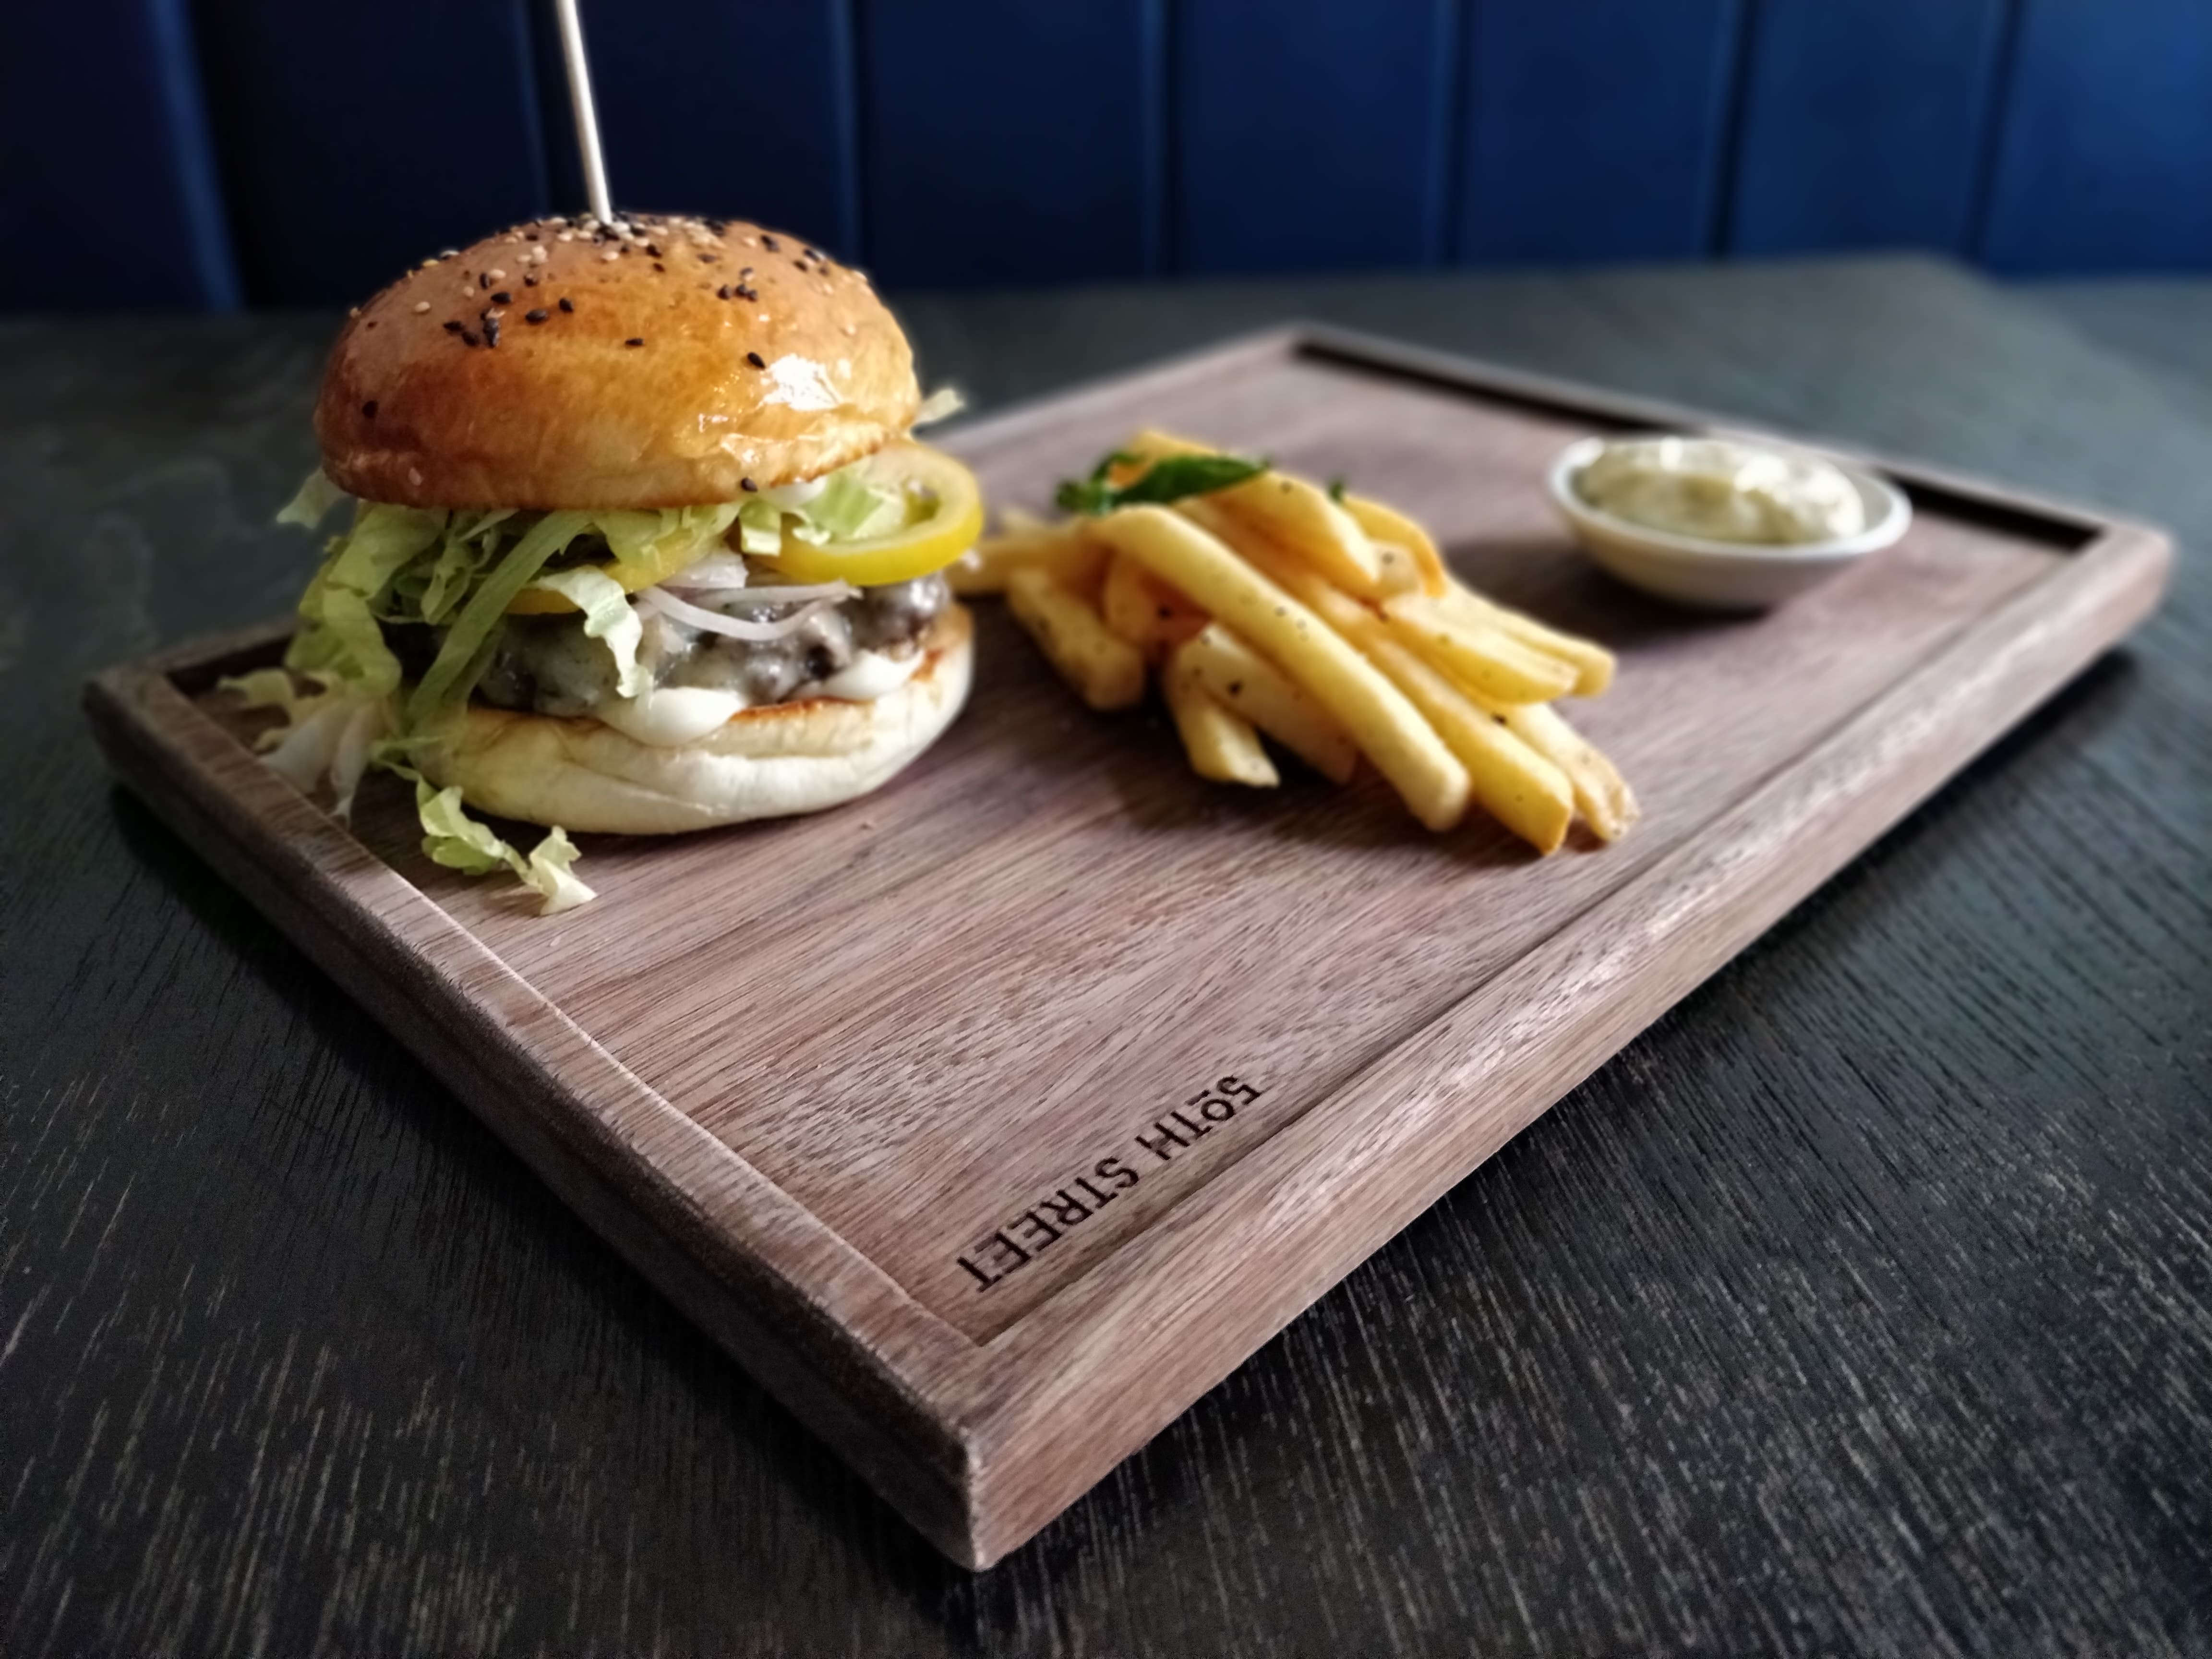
x=1169, y=479
x=1336, y=490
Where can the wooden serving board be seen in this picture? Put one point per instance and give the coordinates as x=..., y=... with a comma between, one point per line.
x=991, y=1119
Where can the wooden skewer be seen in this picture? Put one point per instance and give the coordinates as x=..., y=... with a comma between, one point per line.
x=588, y=119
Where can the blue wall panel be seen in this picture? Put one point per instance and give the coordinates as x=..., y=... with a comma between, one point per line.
x=740, y=107
x=1594, y=129
x=102, y=125
x=2105, y=159
x=1309, y=135
x=356, y=139
x=1008, y=141
x=1864, y=124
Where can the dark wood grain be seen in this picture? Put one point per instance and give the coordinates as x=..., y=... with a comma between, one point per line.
x=1863, y=1305
x=848, y=1191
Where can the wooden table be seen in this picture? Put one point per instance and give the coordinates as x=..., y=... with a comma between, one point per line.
x=1863, y=1305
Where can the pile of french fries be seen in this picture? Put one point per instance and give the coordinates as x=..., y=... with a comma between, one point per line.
x=1327, y=622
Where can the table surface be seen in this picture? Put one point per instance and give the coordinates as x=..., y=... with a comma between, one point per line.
x=1864, y=1303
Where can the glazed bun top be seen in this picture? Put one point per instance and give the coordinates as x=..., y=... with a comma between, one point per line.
x=664, y=361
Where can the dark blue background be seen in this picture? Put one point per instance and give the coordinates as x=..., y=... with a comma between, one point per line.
x=207, y=153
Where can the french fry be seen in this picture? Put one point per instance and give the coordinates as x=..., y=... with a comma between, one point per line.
x=1221, y=742
x=1593, y=663
x=1066, y=550
x=1602, y=795
x=1387, y=527
x=1298, y=513
x=1523, y=789
x=1241, y=679
x=1147, y=613
x=1387, y=728
x=1107, y=673
x=1480, y=655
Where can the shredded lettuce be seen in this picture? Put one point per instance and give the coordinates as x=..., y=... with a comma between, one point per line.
x=450, y=837
x=342, y=643
x=313, y=503
x=456, y=572
x=663, y=538
x=941, y=404
x=851, y=508
x=473, y=635
x=608, y=616
x=760, y=528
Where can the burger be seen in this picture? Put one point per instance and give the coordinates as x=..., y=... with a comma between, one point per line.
x=641, y=542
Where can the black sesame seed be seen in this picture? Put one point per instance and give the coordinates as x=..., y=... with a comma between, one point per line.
x=813, y=253
x=491, y=330
x=747, y=485
x=755, y=359
x=710, y=258
x=747, y=271
x=529, y=281
x=567, y=303
x=368, y=410
x=771, y=244
x=723, y=292
x=801, y=263
x=745, y=293
x=453, y=328
x=633, y=341
x=483, y=279
x=653, y=250
x=502, y=297
x=468, y=338
x=660, y=267
x=535, y=316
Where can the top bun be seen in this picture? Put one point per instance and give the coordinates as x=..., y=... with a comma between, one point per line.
x=666, y=361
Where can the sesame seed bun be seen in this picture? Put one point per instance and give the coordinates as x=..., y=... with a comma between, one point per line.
x=565, y=364
x=769, y=762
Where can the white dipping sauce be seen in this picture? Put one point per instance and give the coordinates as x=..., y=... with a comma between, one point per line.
x=1722, y=491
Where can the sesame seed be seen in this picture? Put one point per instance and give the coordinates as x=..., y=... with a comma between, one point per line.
x=747, y=485
x=491, y=330
x=498, y=276
x=566, y=236
x=746, y=292
x=747, y=271
x=633, y=341
x=485, y=281
x=660, y=267
x=611, y=253
x=502, y=297
x=368, y=410
x=453, y=328
x=422, y=306
x=770, y=243
x=755, y=359
x=567, y=303
x=534, y=316
x=529, y=281
x=723, y=292
x=414, y=477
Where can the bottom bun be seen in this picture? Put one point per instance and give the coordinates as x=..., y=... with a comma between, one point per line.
x=766, y=762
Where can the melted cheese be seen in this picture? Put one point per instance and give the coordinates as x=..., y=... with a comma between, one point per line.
x=669, y=716
x=871, y=675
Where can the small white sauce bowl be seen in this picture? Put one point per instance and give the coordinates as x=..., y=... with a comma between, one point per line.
x=1721, y=575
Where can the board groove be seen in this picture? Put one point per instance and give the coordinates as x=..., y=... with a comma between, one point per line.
x=1049, y=932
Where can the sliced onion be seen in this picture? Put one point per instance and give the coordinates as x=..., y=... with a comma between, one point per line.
x=713, y=622
x=835, y=593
